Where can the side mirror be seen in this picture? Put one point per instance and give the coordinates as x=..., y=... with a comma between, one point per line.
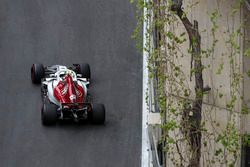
x=52, y=75
x=79, y=75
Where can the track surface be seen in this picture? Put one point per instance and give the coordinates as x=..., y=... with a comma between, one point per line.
x=66, y=32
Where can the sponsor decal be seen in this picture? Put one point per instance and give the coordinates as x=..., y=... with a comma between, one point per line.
x=65, y=89
x=79, y=93
x=72, y=97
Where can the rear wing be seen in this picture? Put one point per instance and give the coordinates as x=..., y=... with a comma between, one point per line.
x=77, y=105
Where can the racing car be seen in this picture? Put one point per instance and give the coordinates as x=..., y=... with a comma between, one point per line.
x=65, y=94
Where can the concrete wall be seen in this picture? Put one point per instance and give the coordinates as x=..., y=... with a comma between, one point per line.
x=200, y=12
x=246, y=68
x=214, y=107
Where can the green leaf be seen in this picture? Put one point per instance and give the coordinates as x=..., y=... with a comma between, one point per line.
x=218, y=152
x=248, y=73
x=244, y=110
x=219, y=70
x=247, y=53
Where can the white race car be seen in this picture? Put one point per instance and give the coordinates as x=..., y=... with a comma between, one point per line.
x=65, y=93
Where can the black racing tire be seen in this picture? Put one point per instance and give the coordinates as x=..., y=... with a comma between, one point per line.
x=98, y=114
x=84, y=69
x=49, y=114
x=37, y=73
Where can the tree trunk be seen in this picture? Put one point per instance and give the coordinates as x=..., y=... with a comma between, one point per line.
x=194, y=120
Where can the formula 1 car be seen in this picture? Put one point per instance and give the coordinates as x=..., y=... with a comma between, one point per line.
x=65, y=94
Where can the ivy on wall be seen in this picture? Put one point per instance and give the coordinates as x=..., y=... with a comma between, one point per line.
x=192, y=135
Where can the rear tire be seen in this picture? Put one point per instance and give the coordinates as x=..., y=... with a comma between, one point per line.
x=98, y=114
x=37, y=73
x=84, y=69
x=49, y=114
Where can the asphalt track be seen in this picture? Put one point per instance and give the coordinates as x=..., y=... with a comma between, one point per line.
x=66, y=32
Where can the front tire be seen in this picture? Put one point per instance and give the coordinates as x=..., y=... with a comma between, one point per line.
x=37, y=73
x=84, y=69
x=49, y=114
x=98, y=114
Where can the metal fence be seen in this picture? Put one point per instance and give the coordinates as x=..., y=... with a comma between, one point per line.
x=153, y=132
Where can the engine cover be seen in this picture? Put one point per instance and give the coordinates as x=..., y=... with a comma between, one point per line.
x=68, y=91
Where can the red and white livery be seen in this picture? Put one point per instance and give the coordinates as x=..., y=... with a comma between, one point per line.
x=65, y=93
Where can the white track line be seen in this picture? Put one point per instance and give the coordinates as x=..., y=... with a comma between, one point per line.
x=145, y=138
